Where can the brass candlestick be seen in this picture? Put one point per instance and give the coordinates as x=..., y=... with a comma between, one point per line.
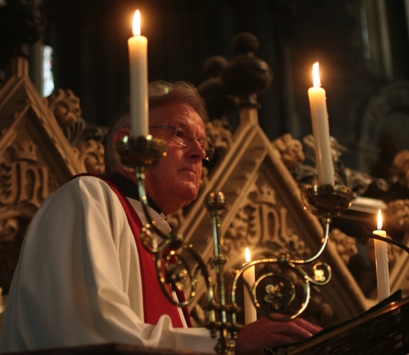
x=273, y=288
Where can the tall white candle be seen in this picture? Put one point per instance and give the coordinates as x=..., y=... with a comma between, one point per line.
x=320, y=128
x=138, y=79
x=250, y=312
x=381, y=260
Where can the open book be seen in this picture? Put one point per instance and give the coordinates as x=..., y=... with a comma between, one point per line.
x=383, y=329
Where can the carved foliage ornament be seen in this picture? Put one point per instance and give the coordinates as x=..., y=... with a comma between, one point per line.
x=87, y=142
x=290, y=149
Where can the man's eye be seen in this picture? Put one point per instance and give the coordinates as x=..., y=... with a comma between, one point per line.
x=179, y=133
x=201, y=142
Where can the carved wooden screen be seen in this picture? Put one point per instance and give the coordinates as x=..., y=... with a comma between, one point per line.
x=42, y=144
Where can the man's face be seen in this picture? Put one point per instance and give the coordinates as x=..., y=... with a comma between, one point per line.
x=174, y=182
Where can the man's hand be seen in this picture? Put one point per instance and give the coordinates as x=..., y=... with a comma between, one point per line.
x=265, y=333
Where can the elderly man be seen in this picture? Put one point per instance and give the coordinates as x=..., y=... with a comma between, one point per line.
x=83, y=276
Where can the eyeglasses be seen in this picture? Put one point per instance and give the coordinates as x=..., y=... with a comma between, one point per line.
x=185, y=138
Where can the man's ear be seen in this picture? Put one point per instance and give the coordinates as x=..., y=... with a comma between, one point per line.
x=121, y=133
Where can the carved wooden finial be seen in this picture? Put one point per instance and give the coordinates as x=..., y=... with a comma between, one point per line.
x=213, y=91
x=246, y=76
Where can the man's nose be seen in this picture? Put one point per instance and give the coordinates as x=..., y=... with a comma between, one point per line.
x=196, y=150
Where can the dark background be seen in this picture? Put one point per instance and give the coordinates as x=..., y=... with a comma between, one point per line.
x=349, y=38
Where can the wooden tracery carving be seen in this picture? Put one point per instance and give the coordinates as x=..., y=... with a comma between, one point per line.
x=262, y=222
x=43, y=143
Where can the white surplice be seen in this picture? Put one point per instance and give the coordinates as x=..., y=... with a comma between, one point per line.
x=78, y=280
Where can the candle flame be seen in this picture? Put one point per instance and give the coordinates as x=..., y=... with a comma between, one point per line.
x=379, y=220
x=316, y=75
x=247, y=253
x=136, y=23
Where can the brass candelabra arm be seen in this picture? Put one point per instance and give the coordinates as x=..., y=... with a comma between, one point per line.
x=177, y=263
x=325, y=201
x=283, y=286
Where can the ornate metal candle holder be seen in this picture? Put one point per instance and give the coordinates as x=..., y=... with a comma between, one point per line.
x=277, y=282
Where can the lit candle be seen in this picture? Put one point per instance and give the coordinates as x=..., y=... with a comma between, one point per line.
x=381, y=260
x=138, y=79
x=320, y=129
x=250, y=313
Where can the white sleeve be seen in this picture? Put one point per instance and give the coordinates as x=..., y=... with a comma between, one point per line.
x=78, y=279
